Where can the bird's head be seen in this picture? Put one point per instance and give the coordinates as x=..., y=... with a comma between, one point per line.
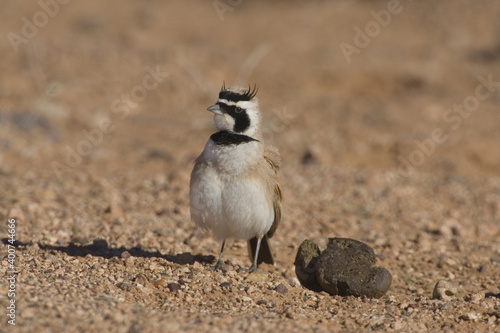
x=237, y=111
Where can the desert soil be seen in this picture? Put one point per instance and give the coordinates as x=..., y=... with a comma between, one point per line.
x=103, y=111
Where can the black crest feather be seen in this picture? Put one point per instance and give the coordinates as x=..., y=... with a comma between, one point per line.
x=233, y=96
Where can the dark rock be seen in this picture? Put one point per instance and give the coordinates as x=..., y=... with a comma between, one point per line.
x=173, y=287
x=100, y=243
x=281, y=289
x=308, y=158
x=347, y=267
x=225, y=285
x=124, y=286
x=305, y=265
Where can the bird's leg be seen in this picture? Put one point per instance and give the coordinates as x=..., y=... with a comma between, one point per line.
x=253, y=267
x=219, y=265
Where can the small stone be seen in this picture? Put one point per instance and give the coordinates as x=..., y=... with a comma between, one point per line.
x=155, y=267
x=100, y=243
x=444, y=290
x=261, y=302
x=141, y=279
x=294, y=282
x=159, y=282
x=124, y=286
x=130, y=261
x=476, y=298
x=257, y=277
x=225, y=285
x=174, y=287
x=250, y=290
x=281, y=289
x=471, y=316
x=125, y=255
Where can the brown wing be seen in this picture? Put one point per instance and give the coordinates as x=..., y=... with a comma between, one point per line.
x=272, y=156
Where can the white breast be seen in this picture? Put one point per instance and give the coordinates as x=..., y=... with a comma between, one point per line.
x=229, y=160
x=224, y=199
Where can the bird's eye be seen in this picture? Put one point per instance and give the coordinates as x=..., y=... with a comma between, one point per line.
x=238, y=109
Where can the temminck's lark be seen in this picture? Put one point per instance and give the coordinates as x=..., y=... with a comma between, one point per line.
x=234, y=189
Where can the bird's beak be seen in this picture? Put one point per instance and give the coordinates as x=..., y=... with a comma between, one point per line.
x=215, y=109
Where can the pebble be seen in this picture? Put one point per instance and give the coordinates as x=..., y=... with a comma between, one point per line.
x=251, y=290
x=124, y=286
x=281, y=289
x=470, y=316
x=174, y=287
x=225, y=285
x=476, y=298
x=444, y=290
x=141, y=279
x=257, y=277
x=159, y=282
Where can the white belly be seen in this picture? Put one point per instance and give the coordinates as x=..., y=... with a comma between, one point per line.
x=228, y=203
x=230, y=208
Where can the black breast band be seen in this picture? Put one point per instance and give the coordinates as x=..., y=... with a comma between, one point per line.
x=227, y=138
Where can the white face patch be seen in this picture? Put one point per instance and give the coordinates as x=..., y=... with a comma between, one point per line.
x=227, y=123
x=252, y=109
x=224, y=122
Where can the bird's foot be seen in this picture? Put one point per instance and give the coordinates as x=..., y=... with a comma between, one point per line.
x=219, y=266
x=250, y=269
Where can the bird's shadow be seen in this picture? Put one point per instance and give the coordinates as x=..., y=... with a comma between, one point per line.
x=100, y=248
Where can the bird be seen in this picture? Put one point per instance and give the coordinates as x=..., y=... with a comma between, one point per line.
x=234, y=189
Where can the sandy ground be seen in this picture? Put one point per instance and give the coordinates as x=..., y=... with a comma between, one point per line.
x=388, y=135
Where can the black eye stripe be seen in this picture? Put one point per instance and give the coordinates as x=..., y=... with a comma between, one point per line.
x=231, y=109
x=241, y=119
x=228, y=108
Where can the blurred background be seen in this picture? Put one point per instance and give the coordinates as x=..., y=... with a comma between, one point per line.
x=355, y=84
x=103, y=105
x=386, y=114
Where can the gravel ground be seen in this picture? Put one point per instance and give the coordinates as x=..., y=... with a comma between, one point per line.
x=102, y=113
